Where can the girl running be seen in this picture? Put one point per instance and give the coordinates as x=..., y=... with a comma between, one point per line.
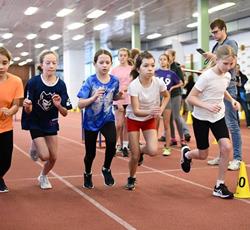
x=145, y=92
x=45, y=96
x=11, y=91
x=96, y=96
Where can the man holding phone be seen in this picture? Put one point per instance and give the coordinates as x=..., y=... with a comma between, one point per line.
x=219, y=31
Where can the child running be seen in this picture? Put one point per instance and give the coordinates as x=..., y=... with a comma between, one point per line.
x=172, y=81
x=122, y=71
x=145, y=92
x=11, y=91
x=46, y=95
x=207, y=98
x=96, y=96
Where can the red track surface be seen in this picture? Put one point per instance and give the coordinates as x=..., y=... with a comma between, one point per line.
x=165, y=198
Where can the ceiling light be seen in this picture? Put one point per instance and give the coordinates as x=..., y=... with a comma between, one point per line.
x=53, y=48
x=153, y=36
x=220, y=7
x=11, y=62
x=191, y=25
x=31, y=36
x=1, y=44
x=29, y=60
x=16, y=59
x=46, y=25
x=77, y=37
x=217, y=8
x=24, y=54
x=101, y=26
x=7, y=35
x=22, y=63
x=39, y=45
x=96, y=14
x=75, y=25
x=64, y=12
x=125, y=15
x=55, y=36
x=30, y=10
x=19, y=45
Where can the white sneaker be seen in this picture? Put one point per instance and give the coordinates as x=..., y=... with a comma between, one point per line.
x=234, y=165
x=166, y=151
x=214, y=161
x=44, y=182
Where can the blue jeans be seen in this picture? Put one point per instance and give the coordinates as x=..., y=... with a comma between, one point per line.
x=231, y=117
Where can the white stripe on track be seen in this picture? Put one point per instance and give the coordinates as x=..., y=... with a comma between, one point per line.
x=112, y=215
x=161, y=172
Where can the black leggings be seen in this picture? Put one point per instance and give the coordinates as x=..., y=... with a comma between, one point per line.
x=6, y=148
x=109, y=133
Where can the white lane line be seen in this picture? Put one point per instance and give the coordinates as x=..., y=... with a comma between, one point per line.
x=161, y=172
x=106, y=211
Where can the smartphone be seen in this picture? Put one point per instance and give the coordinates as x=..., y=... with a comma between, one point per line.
x=201, y=51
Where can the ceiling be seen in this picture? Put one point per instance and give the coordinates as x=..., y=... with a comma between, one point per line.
x=168, y=17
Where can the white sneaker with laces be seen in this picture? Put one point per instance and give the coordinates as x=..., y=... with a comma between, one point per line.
x=234, y=165
x=214, y=161
x=44, y=182
x=166, y=151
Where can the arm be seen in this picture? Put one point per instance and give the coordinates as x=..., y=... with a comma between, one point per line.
x=176, y=86
x=154, y=111
x=193, y=99
x=235, y=104
x=165, y=100
x=84, y=102
x=118, y=96
x=57, y=103
x=12, y=110
x=209, y=56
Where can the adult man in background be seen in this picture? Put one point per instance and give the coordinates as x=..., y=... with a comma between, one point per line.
x=219, y=32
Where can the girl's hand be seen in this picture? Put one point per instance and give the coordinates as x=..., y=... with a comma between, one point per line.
x=156, y=112
x=56, y=100
x=99, y=93
x=27, y=103
x=5, y=112
x=236, y=105
x=215, y=108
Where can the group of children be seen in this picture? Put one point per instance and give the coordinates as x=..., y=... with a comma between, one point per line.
x=143, y=99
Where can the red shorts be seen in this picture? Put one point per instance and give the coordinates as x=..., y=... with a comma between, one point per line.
x=134, y=125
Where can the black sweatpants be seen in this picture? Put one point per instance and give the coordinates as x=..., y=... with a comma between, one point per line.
x=109, y=133
x=6, y=148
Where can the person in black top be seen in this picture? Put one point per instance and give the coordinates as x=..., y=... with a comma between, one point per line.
x=241, y=96
x=45, y=96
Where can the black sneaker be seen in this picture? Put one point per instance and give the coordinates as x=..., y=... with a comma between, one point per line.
x=185, y=162
x=141, y=159
x=131, y=183
x=162, y=139
x=88, y=181
x=3, y=187
x=125, y=152
x=108, y=178
x=172, y=143
x=223, y=192
x=187, y=137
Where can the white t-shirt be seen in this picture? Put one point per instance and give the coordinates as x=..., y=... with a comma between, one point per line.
x=212, y=88
x=148, y=97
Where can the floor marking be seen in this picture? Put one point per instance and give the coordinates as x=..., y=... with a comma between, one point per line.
x=159, y=171
x=85, y=196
